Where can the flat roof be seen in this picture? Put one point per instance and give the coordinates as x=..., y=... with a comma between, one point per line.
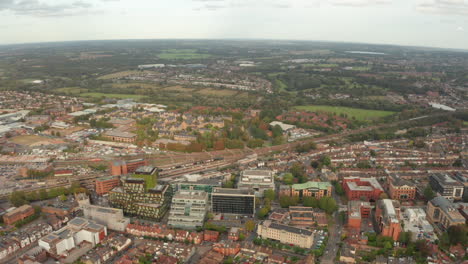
x=228, y=191
x=289, y=229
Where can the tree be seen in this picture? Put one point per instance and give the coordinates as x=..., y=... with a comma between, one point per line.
x=43, y=195
x=286, y=201
x=269, y=194
x=250, y=225
x=310, y=202
x=63, y=198
x=326, y=160
x=18, y=198
x=328, y=204
x=429, y=193
x=288, y=178
x=458, y=234
x=262, y=213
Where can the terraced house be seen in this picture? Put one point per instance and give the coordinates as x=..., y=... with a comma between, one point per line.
x=136, y=198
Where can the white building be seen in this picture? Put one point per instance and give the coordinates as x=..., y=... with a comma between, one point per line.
x=188, y=209
x=113, y=218
x=77, y=231
x=415, y=221
x=257, y=180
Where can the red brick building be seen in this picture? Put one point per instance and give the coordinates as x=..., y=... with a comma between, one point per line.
x=234, y=233
x=124, y=167
x=358, y=210
x=105, y=184
x=358, y=188
x=18, y=214
x=401, y=189
x=387, y=215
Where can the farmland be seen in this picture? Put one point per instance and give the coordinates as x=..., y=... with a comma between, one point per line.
x=182, y=54
x=357, y=113
x=113, y=95
x=117, y=75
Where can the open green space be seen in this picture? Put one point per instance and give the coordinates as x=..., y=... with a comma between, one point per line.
x=71, y=90
x=359, y=114
x=113, y=95
x=182, y=54
x=151, y=180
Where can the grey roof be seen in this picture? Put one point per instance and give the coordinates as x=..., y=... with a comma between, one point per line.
x=232, y=191
x=291, y=229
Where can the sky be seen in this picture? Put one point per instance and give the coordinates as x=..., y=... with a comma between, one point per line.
x=432, y=23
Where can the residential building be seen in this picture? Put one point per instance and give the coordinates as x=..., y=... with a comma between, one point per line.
x=234, y=234
x=78, y=230
x=136, y=199
x=446, y=186
x=188, y=209
x=307, y=216
x=387, y=215
x=400, y=189
x=443, y=213
x=357, y=188
x=113, y=218
x=308, y=189
x=257, y=180
x=233, y=201
x=358, y=210
x=120, y=136
x=286, y=234
x=106, y=184
x=124, y=167
x=35, y=255
x=17, y=214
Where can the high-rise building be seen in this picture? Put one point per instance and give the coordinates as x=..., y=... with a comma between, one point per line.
x=136, y=199
x=233, y=201
x=188, y=209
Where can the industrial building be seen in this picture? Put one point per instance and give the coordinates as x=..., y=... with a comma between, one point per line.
x=233, y=201
x=188, y=209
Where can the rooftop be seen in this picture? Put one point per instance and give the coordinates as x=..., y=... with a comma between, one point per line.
x=287, y=228
x=232, y=191
x=312, y=185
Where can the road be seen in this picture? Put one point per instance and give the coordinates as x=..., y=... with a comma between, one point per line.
x=334, y=232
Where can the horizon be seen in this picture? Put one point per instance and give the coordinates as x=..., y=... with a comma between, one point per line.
x=421, y=23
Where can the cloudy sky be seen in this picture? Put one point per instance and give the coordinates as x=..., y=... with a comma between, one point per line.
x=437, y=23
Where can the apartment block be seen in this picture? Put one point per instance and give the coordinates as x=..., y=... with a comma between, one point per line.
x=188, y=209
x=286, y=234
x=443, y=213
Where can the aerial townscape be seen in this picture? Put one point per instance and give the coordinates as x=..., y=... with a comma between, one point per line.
x=232, y=151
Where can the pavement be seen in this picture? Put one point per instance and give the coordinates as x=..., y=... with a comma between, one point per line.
x=334, y=232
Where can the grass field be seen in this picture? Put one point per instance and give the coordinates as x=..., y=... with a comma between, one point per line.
x=112, y=95
x=29, y=139
x=216, y=92
x=178, y=88
x=359, y=114
x=151, y=180
x=117, y=75
x=182, y=54
x=135, y=84
x=361, y=68
x=71, y=90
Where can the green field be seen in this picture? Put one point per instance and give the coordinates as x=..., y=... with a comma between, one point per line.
x=359, y=114
x=151, y=180
x=71, y=90
x=113, y=95
x=182, y=54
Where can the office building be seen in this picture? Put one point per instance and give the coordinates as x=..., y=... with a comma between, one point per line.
x=136, y=199
x=233, y=201
x=286, y=234
x=443, y=213
x=120, y=136
x=446, y=186
x=358, y=210
x=77, y=231
x=17, y=214
x=362, y=188
x=387, y=215
x=308, y=189
x=307, y=216
x=105, y=184
x=188, y=209
x=400, y=189
x=257, y=180
x=124, y=167
x=113, y=218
